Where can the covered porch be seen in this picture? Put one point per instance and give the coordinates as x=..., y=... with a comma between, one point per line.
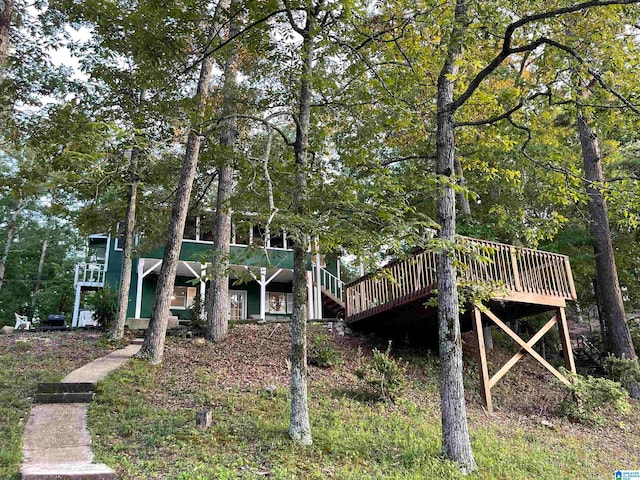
x=258, y=293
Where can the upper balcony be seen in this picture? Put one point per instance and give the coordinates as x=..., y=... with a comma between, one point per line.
x=89, y=274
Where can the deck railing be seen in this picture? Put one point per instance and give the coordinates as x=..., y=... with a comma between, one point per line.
x=89, y=274
x=505, y=269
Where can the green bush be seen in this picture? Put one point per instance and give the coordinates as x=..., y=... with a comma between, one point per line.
x=589, y=397
x=195, y=311
x=624, y=371
x=634, y=329
x=322, y=354
x=384, y=375
x=104, y=303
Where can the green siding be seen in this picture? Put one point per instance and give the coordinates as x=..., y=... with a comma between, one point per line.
x=239, y=255
x=196, y=251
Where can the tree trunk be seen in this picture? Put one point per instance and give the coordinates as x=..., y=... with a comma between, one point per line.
x=618, y=337
x=463, y=198
x=218, y=292
x=11, y=233
x=152, y=348
x=299, y=425
x=456, y=445
x=117, y=331
x=601, y=321
x=36, y=285
x=6, y=10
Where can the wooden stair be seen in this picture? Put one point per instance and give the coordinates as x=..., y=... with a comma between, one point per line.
x=331, y=303
x=588, y=358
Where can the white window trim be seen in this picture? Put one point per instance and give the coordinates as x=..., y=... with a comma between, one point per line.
x=186, y=298
x=288, y=296
x=244, y=304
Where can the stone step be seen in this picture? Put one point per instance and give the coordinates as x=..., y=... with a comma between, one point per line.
x=61, y=387
x=67, y=471
x=65, y=397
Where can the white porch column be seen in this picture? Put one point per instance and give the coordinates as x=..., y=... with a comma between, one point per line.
x=139, y=287
x=203, y=290
x=263, y=293
x=76, y=306
x=318, y=285
x=310, y=302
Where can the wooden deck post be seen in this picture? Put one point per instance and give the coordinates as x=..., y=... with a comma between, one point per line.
x=516, y=271
x=485, y=386
x=565, y=339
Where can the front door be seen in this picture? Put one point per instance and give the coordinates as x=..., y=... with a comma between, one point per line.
x=237, y=304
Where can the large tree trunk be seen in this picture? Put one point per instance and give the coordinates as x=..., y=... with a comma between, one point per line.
x=218, y=292
x=299, y=425
x=608, y=288
x=6, y=10
x=11, y=233
x=117, y=331
x=153, y=346
x=456, y=445
x=36, y=285
x=463, y=198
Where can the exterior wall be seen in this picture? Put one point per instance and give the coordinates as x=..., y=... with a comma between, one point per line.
x=195, y=251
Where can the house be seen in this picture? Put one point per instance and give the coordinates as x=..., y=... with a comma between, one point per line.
x=519, y=282
x=260, y=282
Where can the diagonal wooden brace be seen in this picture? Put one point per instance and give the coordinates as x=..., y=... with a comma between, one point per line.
x=507, y=366
x=526, y=347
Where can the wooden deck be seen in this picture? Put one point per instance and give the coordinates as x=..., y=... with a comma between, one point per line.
x=517, y=282
x=512, y=274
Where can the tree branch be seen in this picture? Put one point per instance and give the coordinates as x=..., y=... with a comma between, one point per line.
x=265, y=121
x=508, y=50
x=497, y=118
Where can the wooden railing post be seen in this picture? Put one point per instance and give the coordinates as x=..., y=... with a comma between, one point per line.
x=516, y=272
x=572, y=287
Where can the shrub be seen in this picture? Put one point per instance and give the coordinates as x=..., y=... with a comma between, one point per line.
x=195, y=312
x=634, y=330
x=589, y=397
x=104, y=303
x=322, y=354
x=623, y=370
x=384, y=375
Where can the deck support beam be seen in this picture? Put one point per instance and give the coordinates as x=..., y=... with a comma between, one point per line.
x=487, y=382
x=485, y=386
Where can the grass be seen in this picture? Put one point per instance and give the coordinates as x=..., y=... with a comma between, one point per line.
x=25, y=360
x=143, y=420
x=144, y=425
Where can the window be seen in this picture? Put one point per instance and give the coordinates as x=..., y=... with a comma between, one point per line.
x=237, y=304
x=190, y=228
x=183, y=297
x=240, y=234
x=279, y=302
x=206, y=227
x=258, y=236
x=277, y=239
x=120, y=236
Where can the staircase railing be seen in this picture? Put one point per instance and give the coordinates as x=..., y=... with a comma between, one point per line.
x=329, y=282
x=593, y=351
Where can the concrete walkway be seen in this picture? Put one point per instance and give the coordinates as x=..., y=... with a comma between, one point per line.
x=57, y=444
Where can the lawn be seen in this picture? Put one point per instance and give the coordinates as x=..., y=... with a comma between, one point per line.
x=143, y=421
x=27, y=359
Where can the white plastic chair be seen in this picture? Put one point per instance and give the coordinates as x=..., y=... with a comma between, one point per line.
x=22, y=323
